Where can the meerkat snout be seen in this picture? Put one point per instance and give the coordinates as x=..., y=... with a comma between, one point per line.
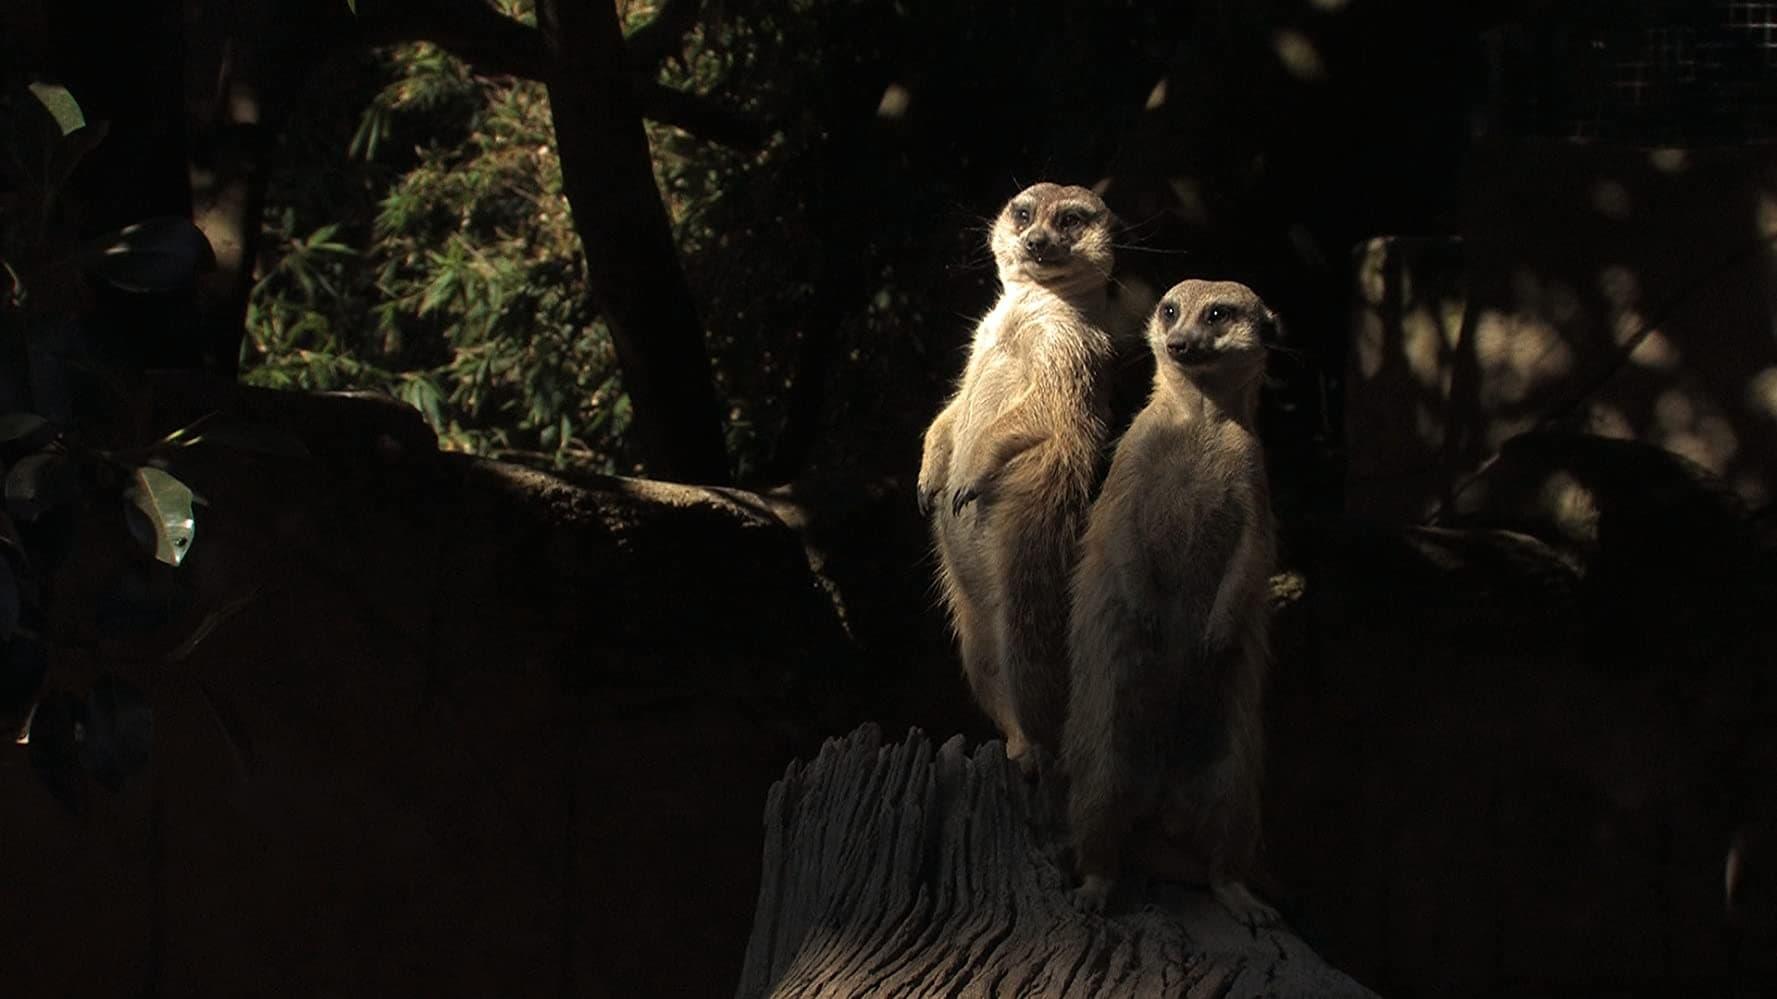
x=1202, y=324
x=1058, y=237
x=1190, y=347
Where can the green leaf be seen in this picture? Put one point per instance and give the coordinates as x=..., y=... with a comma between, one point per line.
x=29, y=428
x=422, y=394
x=440, y=290
x=9, y=540
x=254, y=437
x=9, y=600
x=38, y=483
x=171, y=517
x=58, y=726
x=158, y=254
x=61, y=106
x=72, y=149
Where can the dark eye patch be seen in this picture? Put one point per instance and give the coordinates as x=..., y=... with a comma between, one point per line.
x=1218, y=314
x=1021, y=215
x=1074, y=216
x=1168, y=311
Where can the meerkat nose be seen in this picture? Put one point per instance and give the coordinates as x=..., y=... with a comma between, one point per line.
x=1039, y=245
x=1187, y=347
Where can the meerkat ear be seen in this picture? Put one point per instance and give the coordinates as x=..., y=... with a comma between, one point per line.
x=1271, y=331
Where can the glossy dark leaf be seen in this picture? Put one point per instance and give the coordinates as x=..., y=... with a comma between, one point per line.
x=254, y=437
x=119, y=731
x=27, y=429
x=47, y=134
x=159, y=254
x=58, y=727
x=11, y=544
x=38, y=483
x=23, y=663
x=9, y=600
x=63, y=109
x=142, y=528
x=168, y=505
x=73, y=148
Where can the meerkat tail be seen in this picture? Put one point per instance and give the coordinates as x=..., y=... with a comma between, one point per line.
x=1034, y=613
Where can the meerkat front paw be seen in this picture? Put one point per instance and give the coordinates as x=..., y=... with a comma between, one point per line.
x=1094, y=893
x=971, y=487
x=934, y=460
x=1243, y=905
x=928, y=495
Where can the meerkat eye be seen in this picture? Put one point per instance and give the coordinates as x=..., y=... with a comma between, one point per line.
x=1021, y=215
x=1217, y=313
x=1069, y=220
x=1169, y=312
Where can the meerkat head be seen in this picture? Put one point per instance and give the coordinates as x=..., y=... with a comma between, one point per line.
x=1054, y=236
x=1212, y=329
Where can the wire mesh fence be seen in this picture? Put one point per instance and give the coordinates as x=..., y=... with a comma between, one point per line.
x=1654, y=72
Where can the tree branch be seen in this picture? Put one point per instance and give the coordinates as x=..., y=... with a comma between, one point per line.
x=649, y=45
x=494, y=43
x=958, y=887
x=632, y=263
x=701, y=117
x=468, y=29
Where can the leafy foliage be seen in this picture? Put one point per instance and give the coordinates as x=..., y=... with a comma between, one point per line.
x=53, y=484
x=835, y=269
x=465, y=296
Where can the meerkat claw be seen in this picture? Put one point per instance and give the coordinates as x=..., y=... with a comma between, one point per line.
x=1245, y=906
x=1094, y=893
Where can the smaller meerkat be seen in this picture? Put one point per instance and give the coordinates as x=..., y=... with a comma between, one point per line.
x=1169, y=632
x=1010, y=463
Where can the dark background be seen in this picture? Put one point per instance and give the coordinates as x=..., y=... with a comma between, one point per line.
x=459, y=728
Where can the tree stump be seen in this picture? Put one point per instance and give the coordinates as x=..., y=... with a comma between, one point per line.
x=907, y=871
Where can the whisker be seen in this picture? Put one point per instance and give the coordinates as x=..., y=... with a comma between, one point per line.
x=1136, y=228
x=1138, y=248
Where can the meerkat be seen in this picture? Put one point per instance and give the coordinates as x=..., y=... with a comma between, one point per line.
x=1011, y=461
x=1168, y=639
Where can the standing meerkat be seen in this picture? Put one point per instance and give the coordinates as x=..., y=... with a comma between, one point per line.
x=1011, y=461
x=1169, y=633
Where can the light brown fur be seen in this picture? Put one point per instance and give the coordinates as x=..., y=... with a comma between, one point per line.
x=1011, y=461
x=1169, y=631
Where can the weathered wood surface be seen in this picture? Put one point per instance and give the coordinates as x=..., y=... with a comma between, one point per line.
x=904, y=870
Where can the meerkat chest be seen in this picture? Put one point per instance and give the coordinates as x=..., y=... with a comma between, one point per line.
x=1002, y=362
x=1197, y=481
x=997, y=375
